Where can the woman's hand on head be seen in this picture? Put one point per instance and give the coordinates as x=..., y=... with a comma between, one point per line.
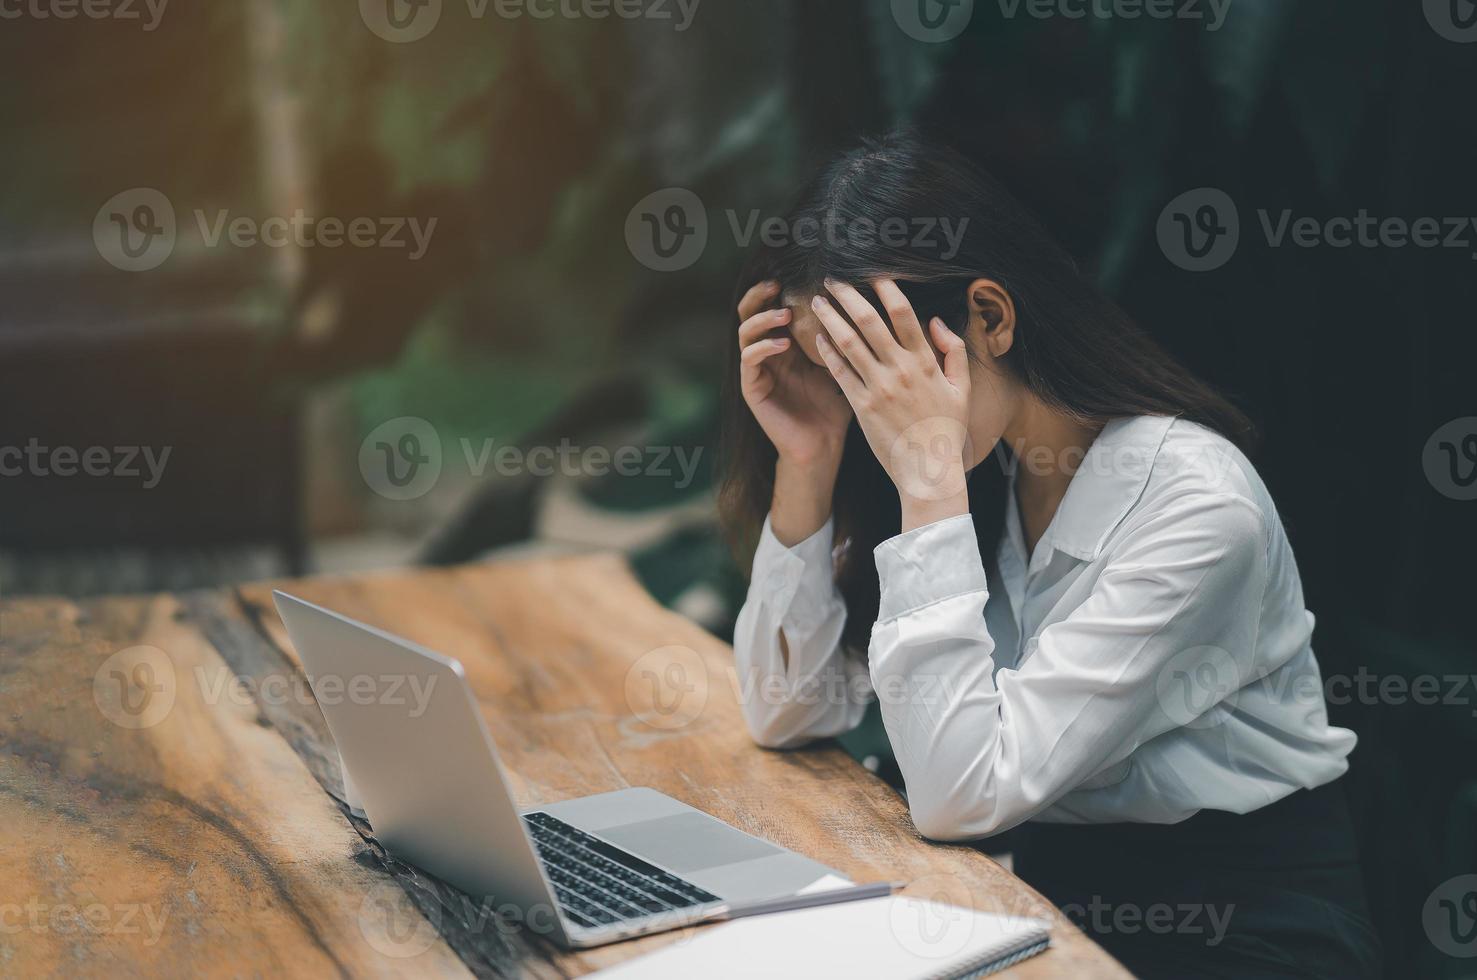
x=796, y=403
x=913, y=409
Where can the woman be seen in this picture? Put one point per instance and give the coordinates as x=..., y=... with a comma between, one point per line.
x=1084, y=617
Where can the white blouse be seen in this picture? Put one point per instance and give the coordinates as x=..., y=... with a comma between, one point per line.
x=1150, y=660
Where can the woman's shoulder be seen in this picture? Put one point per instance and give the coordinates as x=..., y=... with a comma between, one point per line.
x=1198, y=466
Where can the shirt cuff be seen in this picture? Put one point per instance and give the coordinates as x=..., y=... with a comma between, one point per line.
x=929, y=564
x=780, y=574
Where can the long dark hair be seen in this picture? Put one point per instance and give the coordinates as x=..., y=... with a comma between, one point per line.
x=1074, y=348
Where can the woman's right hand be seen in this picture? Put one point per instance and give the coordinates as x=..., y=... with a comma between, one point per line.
x=796, y=402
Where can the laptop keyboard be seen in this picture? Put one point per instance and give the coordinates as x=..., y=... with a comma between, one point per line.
x=598, y=884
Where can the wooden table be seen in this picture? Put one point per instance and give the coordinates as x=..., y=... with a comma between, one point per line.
x=170, y=800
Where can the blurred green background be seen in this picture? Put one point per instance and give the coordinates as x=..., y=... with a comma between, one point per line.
x=530, y=320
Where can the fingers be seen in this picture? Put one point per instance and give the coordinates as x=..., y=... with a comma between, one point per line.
x=868, y=321
x=956, y=357
x=760, y=295
x=751, y=361
x=851, y=383
x=845, y=340
x=758, y=326
x=904, y=321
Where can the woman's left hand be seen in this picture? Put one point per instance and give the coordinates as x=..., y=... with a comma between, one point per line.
x=913, y=410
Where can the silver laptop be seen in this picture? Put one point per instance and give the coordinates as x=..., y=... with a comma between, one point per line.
x=588, y=871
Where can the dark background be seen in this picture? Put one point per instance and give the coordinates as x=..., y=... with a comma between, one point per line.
x=530, y=320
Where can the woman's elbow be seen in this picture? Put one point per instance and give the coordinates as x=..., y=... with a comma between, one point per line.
x=776, y=738
x=943, y=824
x=950, y=818
x=774, y=730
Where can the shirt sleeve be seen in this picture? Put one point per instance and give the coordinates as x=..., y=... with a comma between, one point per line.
x=980, y=750
x=795, y=681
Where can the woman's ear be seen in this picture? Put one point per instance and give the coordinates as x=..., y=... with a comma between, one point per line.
x=991, y=317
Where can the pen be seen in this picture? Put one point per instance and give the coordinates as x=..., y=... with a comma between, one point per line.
x=788, y=903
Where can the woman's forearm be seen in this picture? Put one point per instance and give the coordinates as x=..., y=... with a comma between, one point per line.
x=802, y=499
x=795, y=681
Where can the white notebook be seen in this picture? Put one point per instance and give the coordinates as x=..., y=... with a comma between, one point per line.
x=896, y=937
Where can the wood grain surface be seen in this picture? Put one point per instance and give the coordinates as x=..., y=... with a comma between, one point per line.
x=171, y=803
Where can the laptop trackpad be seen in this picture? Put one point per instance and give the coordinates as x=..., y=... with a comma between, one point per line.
x=688, y=842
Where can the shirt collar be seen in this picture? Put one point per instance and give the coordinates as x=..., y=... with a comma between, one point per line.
x=1109, y=482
